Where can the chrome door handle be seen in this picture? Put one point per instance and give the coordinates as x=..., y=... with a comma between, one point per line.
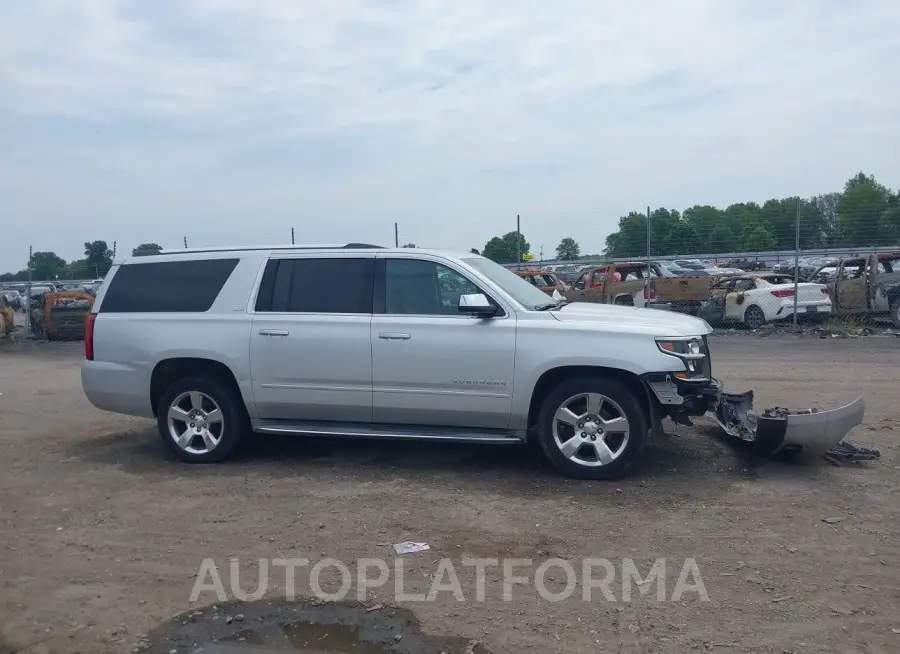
x=394, y=336
x=273, y=332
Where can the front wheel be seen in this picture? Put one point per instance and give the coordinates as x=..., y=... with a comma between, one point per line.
x=201, y=420
x=592, y=428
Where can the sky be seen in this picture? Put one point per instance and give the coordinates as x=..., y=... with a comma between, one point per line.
x=232, y=121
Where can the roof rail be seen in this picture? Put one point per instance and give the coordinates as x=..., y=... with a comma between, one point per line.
x=245, y=248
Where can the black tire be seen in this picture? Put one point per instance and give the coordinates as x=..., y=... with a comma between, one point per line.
x=624, y=301
x=895, y=313
x=236, y=423
x=754, y=317
x=632, y=406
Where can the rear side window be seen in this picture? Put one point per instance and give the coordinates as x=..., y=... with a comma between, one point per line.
x=341, y=285
x=167, y=286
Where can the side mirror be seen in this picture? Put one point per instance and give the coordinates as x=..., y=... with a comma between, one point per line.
x=477, y=304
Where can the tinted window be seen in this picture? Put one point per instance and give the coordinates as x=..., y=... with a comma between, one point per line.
x=416, y=287
x=167, y=286
x=317, y=286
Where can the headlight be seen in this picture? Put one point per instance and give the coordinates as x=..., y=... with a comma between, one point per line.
x=691, y=351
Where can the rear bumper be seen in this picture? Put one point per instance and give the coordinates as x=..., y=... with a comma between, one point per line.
x=116, y=388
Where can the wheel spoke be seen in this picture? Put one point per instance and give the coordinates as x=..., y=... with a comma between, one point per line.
x=594, y=404
x=563, y=414
x=214, y=416
x=209, y=440
x=604, y=454
x=571, y=446
x=184, y=440
x=615, y=426
x=177, y=413
x=196, y=400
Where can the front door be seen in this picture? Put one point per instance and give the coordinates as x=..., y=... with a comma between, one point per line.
x=850, y=287
x=310, y=352
x=430, y=364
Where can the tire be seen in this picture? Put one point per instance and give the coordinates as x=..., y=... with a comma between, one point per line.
x=895, y=313
x=619, y=401
x=754, y=317
x=624, y=301
x=227, y=432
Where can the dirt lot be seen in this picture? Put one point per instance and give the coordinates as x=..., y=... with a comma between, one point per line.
x=103, y=534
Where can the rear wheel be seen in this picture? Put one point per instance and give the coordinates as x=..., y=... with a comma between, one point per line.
x=895, y=313
x=592, y=428
x=624, y=300
x=201, y=420
x=754, y=317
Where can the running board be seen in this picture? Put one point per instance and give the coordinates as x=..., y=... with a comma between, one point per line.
x=402, y=432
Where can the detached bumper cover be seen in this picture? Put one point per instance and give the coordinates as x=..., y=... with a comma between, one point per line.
x=809, y=433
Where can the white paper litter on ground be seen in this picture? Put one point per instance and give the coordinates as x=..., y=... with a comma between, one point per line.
x=408, y=547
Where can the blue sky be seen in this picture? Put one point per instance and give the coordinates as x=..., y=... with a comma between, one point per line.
x=230, y=121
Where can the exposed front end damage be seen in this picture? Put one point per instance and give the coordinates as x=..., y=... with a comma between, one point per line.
x=806, y=433
x=801, y=433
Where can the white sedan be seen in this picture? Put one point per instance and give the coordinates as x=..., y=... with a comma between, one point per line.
x=755, y=300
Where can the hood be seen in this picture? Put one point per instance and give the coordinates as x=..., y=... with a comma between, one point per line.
x=621, y=318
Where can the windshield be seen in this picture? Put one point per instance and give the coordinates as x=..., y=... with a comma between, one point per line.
x=519, y=289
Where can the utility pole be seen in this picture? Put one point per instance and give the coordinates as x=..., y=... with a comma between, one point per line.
x=518, y=241
x=28, y=296
x=396, y=235
x=292, y=236
x=647, y=275
x=796, y=260
x=185, y=242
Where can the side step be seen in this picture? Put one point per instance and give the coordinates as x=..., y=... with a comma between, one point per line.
x=402, y=432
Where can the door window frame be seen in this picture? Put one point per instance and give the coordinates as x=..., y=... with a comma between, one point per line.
x=379, y=296
x=257, y=286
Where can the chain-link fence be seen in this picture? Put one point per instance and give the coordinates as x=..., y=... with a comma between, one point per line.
x=796, y=262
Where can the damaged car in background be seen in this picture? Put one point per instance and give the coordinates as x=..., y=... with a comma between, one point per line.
x=864, y=285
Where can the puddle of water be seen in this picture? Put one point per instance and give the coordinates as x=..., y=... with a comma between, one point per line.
x=307, y=637
x=304, y=627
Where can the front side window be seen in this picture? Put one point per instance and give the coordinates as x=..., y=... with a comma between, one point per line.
x=317, y=285
x=424, y=288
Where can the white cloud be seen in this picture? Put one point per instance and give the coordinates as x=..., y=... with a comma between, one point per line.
x=232, y=120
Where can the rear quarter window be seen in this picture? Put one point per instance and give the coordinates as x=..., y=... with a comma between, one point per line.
x=167, y=286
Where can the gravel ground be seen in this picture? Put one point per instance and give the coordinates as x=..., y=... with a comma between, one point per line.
x=103, y=534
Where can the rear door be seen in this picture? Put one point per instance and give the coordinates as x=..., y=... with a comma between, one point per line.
x=432, y=365
x=310, y=352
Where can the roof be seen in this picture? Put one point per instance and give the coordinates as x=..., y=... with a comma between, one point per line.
x=295, y=248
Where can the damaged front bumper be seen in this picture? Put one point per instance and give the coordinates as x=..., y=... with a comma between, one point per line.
x=806, y=433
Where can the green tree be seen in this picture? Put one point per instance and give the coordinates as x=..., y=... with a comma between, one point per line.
x=860, y=210
x=502, y=249
x=47, y=265
x=409, y=245
x=757, y=239
x=496, y=250
x=567, y=249
x=474, y=251
x=681, y=240
x=631, y=239
x=722, y=240
x=145, y=249
x=98, y=256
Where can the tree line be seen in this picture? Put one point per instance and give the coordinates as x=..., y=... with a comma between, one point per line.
x=98, y=258
x=864, y=213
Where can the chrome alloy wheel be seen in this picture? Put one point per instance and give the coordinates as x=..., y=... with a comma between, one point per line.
x=590, y=429
x=196, y=423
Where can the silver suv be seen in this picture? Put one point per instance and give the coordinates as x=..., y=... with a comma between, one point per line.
x=363, y=341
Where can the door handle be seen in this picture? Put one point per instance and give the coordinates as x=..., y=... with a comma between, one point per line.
x=273, y=332
x=394, y=336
